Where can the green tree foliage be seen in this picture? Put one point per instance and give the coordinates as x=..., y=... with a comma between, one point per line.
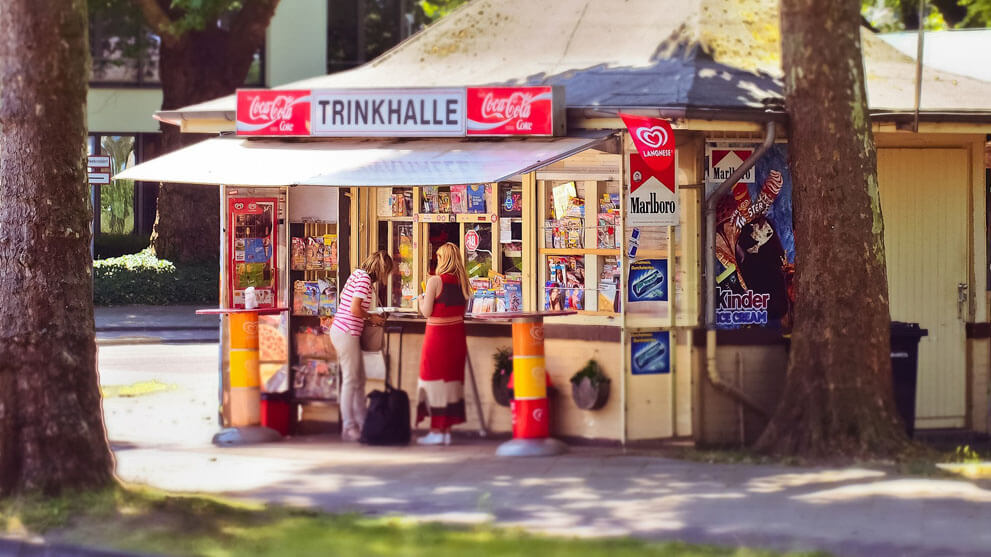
x=383, y=24
x=899, y=15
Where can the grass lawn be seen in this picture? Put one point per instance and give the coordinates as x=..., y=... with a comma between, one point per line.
x=147, y=521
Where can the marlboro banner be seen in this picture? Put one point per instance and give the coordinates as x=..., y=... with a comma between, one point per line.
x=653, y=138
x=653, y=198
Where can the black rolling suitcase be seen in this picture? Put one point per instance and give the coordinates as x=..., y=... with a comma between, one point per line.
x=387, y=421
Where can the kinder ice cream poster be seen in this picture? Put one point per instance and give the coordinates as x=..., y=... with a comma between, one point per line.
x=755, y=240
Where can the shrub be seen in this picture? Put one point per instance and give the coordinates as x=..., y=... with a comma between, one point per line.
x=142, y=278
x=116, y=245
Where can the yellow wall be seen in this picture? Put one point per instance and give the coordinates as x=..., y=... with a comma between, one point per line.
x=564, y=358
x=123, y=110
x=296, y=46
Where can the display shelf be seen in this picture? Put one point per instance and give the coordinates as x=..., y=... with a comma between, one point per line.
x=578, y=251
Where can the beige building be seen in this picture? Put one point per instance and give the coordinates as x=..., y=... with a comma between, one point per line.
x=712, y=69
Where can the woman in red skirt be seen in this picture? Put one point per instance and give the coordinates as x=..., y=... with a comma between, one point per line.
x=440, y=390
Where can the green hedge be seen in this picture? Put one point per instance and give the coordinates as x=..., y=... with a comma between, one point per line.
x=142, y=278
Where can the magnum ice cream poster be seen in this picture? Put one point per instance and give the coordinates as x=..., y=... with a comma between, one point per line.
x=755, y=241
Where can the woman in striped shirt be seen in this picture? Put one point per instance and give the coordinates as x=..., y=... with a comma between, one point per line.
x=345, y=333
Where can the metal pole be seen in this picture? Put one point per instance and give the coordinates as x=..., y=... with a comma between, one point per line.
x=918, y=62
x=484, y=432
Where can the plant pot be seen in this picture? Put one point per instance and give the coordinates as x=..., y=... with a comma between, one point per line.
x=500, y=388
x=588, y=396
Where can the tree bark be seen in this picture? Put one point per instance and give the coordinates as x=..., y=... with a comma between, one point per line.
x=52, y=436
x=195, y=67
x=837, y=400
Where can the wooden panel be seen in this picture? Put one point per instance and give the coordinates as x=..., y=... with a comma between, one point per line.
x=924, y=199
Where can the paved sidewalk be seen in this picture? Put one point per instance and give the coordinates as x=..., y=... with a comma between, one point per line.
x=139, y=324
x=593, y=492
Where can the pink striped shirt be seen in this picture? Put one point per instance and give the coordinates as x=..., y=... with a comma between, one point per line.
x=359, y=285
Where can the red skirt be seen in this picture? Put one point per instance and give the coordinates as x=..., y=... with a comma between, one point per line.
x=440, y=390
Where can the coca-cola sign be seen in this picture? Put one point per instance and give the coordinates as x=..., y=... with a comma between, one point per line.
x=425, y=112
x=273, y=112
x=496, y=111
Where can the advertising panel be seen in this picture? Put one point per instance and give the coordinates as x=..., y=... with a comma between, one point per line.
x=653, y=199
x=755, y=240
x=648, y=287
x=273, y=112
x=424, y=112
x=650, y=352
x=253, y=250
x=495, y=111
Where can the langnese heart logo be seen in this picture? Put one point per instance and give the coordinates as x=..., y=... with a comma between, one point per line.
x=654, y=136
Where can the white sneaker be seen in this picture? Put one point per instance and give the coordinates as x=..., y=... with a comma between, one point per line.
x=447, y=437
x=431, y=439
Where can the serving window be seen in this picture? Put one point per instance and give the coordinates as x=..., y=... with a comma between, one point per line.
x=580, y=245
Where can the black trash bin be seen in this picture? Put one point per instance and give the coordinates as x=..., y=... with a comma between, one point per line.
x=905, y=369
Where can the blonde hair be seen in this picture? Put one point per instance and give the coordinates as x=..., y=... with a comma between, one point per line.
x=378, y=266
x=449, y=262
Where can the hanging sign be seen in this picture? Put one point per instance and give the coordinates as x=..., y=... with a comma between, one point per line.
x=724, y=161
x=494, y=111
x=273, y=112
x=653, y=138
x=650, y=352
x=389, y=112
x=423, y=112
x=653, y=199
x=98, y=161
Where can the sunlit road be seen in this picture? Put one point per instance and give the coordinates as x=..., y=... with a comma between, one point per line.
x=185, y=415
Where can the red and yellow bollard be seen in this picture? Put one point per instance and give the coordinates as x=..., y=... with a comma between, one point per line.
x=530, y=413
x=244, y=379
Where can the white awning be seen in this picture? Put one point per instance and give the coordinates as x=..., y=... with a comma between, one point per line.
x=358, y=162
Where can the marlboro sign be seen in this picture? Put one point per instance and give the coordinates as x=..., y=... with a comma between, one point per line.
x=653, y=138
x=653, y=199
x=425, y=112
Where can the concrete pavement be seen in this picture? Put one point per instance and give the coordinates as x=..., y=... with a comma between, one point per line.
x=163, y=440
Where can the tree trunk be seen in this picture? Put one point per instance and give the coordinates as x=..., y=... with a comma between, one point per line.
x=52, y=436
x=837, y=399
x=196, y=67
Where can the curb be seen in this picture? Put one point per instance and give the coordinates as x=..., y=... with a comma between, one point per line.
x=38, y=548
x=120, y=328
x=129, y=341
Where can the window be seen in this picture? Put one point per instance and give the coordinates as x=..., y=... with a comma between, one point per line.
x=580, y=263
x=488, y=234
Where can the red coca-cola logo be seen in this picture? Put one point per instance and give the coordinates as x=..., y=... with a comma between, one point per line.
x=279, y=108
x=516, y=105
x=266, y=112
x=510, y=111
